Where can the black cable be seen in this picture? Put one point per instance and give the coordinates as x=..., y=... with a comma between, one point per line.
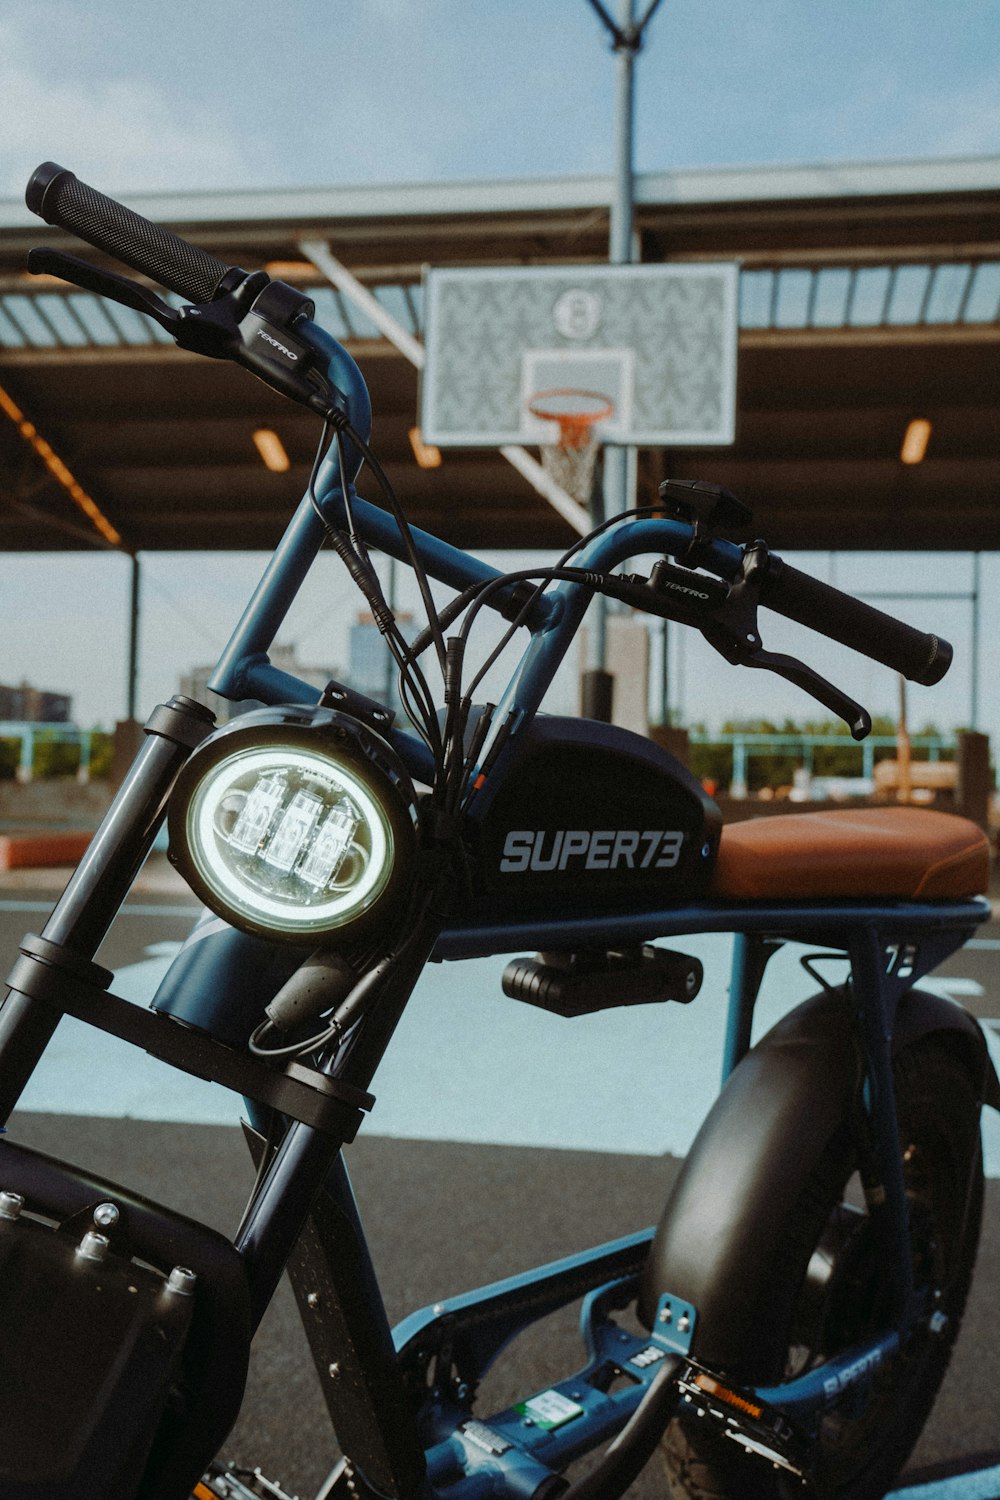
x=549, y=576
x=414, y=690
x=446, y=616
x=448, y=750
x=342, y=1025
x=413, y=557
x=322, y=449
x=635, y=513
x=345, y=489
x=291, y=1049
x=455, y=607
x=545, y=576
x=454, y=748
x=481, y=592
x=474, y=598
x=415, y=693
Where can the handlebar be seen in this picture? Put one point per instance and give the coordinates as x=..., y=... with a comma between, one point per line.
x=919, y=656
x=60, y=198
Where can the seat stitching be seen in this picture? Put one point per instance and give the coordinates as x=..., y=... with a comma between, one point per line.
x=962, y=856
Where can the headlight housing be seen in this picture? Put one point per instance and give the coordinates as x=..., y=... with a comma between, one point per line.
x=295, y=824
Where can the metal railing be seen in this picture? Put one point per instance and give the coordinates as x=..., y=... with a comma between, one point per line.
x=30, y=734
x=745, y=744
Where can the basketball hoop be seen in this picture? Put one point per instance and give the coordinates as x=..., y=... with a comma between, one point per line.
x=572, y=458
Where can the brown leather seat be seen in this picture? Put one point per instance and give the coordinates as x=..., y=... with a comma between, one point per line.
x=881, y=852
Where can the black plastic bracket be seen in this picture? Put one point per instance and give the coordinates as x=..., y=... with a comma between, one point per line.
x=711, y=510
x=358, y=705
x=694, y=499
x=218, y=1346
x=48, y=972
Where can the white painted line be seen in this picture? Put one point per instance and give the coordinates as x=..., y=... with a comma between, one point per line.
x=467, y=1064
x=130, y=909
x=12, y=905
x=952, y=989
x=990, y=1119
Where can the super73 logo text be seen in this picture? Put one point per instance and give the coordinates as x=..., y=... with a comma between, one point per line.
x=590, y=849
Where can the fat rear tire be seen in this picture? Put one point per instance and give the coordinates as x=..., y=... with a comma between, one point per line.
x=805, y=1318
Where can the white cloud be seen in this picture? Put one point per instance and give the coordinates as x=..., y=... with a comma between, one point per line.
x=124, y=133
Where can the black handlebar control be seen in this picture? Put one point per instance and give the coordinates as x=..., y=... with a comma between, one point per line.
x=60, y=198
x=231, y=314
x=921, y=657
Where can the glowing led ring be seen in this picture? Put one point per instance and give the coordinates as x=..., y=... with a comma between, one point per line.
x=285, y=837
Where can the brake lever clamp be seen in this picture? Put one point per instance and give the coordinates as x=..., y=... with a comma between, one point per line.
x=711, y=511
x=254, y=324
x=735, y=634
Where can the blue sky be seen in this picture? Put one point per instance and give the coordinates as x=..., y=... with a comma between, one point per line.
x=214, y=93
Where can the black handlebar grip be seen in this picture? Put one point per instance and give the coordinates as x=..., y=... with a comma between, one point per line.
x=920, y=657
x=60, y=198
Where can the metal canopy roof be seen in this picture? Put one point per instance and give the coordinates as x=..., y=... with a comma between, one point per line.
x=869, y=295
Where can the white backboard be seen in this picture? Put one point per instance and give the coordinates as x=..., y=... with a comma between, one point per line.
x=659, y=341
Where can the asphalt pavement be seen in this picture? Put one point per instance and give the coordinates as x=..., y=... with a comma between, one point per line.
x=446, y=1214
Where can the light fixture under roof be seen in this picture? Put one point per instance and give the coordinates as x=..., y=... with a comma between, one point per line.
x=59, y=471
x=292, y=270
x=427, y=456
x=915, y=441
x=272, y=450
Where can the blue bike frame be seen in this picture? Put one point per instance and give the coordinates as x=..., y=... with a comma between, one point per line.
x=864, y=932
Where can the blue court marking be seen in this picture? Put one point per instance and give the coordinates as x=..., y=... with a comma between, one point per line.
x=467, y=1064
x=984, y=1484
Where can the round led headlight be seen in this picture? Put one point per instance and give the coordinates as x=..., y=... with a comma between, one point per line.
x=294, y=824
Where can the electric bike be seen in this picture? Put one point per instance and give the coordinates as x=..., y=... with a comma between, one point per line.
x=785, y=1326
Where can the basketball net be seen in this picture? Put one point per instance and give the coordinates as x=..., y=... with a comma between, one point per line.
x=572, y=458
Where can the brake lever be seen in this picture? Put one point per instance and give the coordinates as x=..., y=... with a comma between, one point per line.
x=734, y=633
x=857, y=719
x=251, y=322
x=46, y=262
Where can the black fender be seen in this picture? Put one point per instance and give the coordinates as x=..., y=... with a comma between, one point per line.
x=757, y=1148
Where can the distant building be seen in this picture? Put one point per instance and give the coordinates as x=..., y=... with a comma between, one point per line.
x=31, y=705
x=371, y=669
x=194, y=684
